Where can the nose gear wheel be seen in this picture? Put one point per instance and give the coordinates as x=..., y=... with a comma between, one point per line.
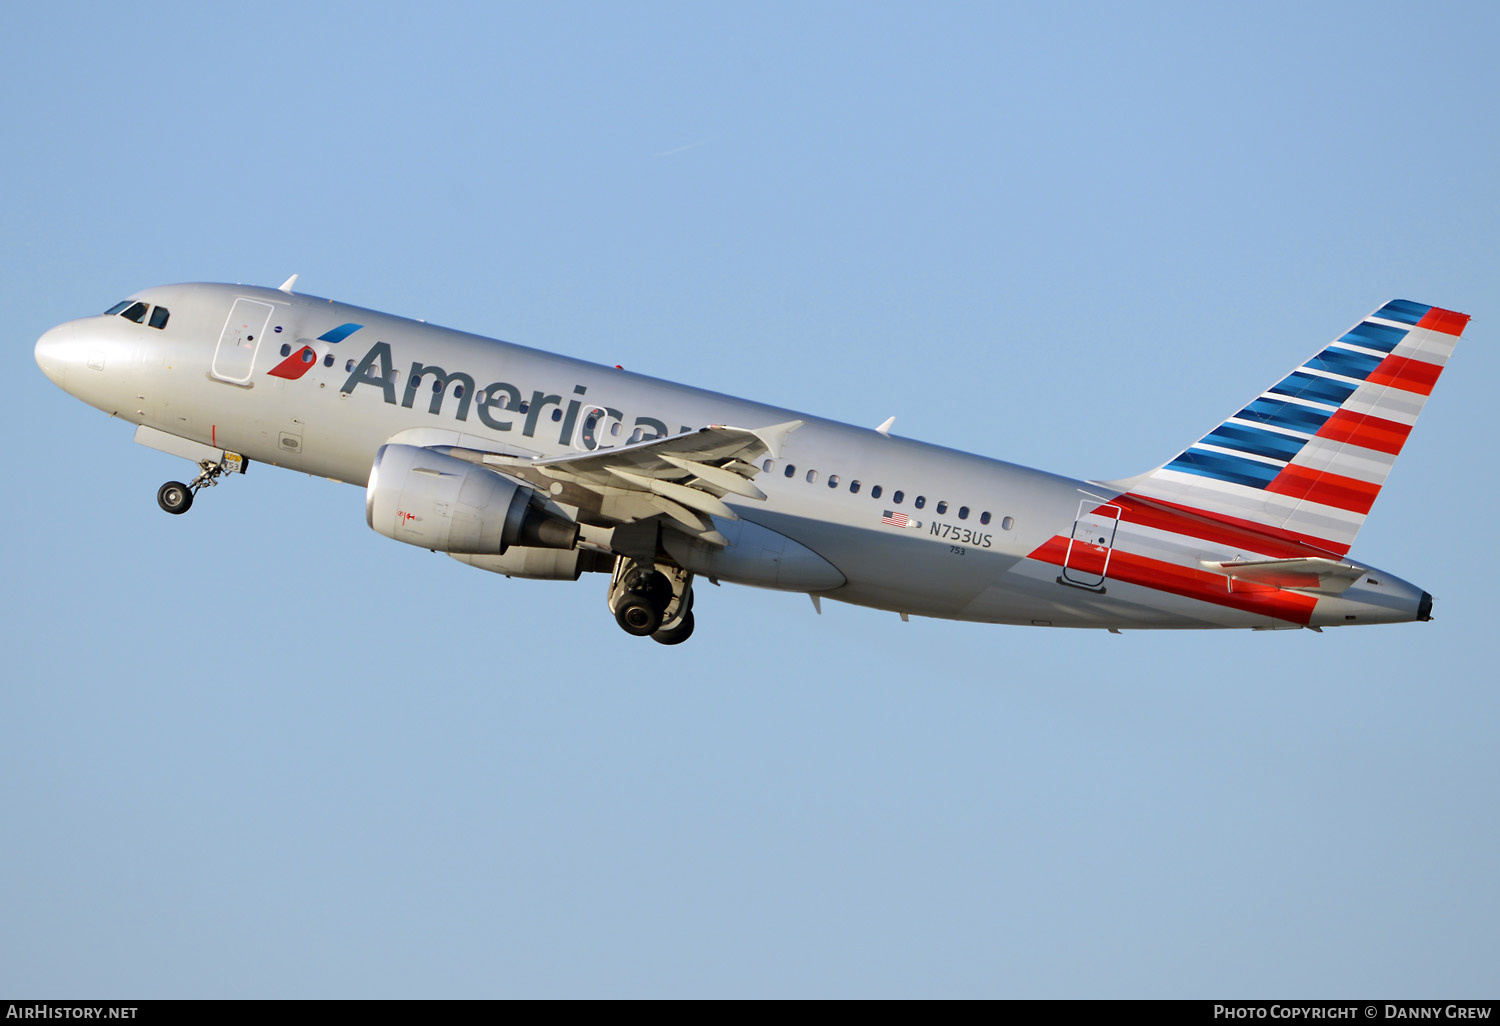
x=174, y=497
x=177, y=498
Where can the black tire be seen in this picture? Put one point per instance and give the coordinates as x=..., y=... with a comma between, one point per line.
x=637, y=616
x=174, y=497
x=678, y=634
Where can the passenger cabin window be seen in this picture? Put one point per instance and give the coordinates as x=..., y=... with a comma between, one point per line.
x=963, y=512
x=833, y=480
x=853, y=487
x=790, y=470
x=1007, y=523
x=135, y=312
x=896, y=497
x=812, y=477
x=875, y=491
x=921, y=501
x=767, y=465
x=159, y=317
x=984, y=517
x=942, y=507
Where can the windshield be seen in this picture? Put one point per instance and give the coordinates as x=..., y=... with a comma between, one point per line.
x=135, y=310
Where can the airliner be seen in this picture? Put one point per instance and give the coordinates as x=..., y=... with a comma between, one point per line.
x=535, y=465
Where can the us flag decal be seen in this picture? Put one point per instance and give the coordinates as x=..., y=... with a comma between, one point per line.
x=895, y=519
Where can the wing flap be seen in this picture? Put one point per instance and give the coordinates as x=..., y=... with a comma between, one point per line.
x=731, y=480
x=683, y=477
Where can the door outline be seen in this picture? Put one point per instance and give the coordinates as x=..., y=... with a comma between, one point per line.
x=1094, y=531
x=240, y=340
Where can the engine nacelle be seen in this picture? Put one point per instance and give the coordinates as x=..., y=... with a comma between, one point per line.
x=542, y=564
x=440, y=502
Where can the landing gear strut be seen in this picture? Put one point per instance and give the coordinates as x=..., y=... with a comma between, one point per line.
x=177, y=498
x=652, y=601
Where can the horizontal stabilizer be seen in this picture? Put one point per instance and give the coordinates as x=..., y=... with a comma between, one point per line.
x=1311, y=574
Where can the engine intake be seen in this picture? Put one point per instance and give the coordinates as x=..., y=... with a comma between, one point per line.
x=440, y=502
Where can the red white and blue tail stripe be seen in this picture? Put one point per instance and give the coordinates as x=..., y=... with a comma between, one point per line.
x=1306, y=458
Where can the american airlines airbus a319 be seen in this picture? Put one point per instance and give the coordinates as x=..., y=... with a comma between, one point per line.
x=539, y=466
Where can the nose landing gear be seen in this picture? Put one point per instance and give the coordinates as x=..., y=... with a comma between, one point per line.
x=177, y=498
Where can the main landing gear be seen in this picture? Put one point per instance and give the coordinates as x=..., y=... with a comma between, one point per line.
x=177, y=498
x=652, y=601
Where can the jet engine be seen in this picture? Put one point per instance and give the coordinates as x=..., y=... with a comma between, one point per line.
x=446, y=504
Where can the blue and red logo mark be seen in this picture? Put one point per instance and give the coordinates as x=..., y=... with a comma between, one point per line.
x=300, y=362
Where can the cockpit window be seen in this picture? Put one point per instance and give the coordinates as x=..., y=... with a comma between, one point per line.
x=121, y=305
x=159, y=317
x=135, y=312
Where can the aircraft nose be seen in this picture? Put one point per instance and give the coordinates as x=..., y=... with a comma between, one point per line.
x=54, y=352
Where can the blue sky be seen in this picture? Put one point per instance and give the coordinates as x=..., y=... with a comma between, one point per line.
x=261, y=751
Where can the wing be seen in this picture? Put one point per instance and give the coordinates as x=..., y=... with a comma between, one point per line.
x=684, y=478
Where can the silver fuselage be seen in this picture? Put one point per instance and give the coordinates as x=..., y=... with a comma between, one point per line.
x=331, y=420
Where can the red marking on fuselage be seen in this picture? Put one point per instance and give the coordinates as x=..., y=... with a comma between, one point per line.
x=294, y=366
x=1193, y=583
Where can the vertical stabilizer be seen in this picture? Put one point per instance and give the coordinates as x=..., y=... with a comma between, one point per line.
x=1306, y=458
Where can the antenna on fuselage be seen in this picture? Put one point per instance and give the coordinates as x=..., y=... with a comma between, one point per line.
x=885, y=428
x=286, y=286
